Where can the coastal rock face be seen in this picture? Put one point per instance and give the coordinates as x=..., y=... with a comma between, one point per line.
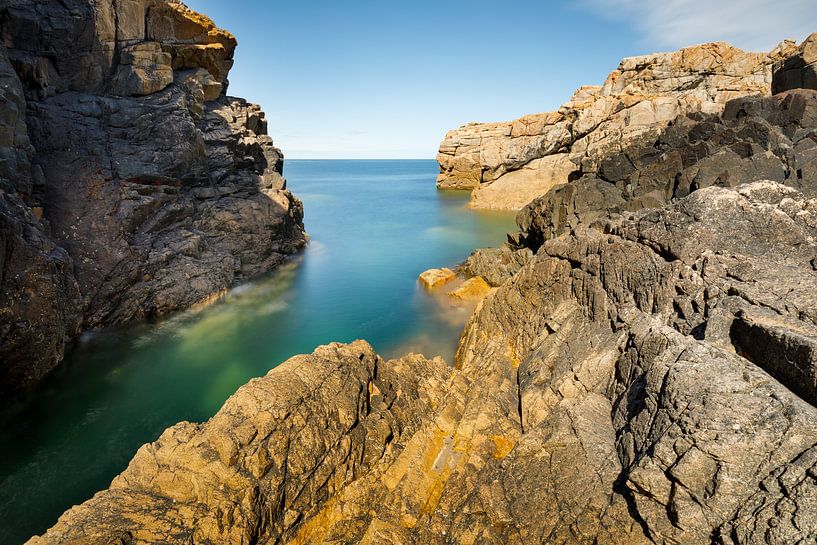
x=132, y=185
x=649, y=381
x=508, y=164
x=756, y=138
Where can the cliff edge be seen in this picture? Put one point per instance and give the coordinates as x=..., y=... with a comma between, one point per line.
x=131, y=185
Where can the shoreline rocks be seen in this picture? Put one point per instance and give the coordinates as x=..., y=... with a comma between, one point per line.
x=434, y=278
x=603, y=394
x=508, y=164
x=131, y=185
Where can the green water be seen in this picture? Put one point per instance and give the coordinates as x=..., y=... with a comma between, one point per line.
x=375, y=225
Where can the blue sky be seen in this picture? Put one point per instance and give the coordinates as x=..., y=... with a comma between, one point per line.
x=387, y=79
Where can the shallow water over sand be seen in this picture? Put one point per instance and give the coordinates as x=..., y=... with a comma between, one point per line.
x=375, y=225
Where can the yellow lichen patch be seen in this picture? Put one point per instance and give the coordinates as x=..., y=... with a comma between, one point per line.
x=515, y=361
x=502, y=446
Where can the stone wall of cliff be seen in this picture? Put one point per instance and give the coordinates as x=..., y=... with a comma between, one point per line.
x=509, y=164
x=131, y=185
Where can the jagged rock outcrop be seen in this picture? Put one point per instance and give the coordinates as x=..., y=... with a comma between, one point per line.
x=650, y=381
x=132, y=185
x=756, y=138
x=509, y=164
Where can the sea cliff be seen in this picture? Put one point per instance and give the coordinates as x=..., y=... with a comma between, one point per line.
x=131, y=185
x=508, y=164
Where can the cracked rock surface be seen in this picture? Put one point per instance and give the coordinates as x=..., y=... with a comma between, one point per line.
x=131, y=185
x=646, y=381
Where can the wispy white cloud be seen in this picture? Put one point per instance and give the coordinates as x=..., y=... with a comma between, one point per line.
x=756, y=25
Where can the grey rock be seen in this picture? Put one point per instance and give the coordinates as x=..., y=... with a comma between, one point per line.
x=496, y=265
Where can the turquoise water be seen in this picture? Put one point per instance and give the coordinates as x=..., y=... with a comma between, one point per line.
x=375, y=225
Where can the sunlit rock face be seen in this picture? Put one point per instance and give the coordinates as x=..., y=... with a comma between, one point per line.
x=132, y=185
x=509, y=164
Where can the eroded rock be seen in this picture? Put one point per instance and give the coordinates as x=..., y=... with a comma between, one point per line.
x=434, y=278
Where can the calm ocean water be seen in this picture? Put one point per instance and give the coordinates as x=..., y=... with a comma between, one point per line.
x=375, y=225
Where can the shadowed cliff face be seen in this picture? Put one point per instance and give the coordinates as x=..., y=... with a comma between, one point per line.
x=509, y=164
x=132, y=185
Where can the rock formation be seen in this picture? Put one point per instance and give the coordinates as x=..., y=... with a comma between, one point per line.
x=650, y=381
x=642, y=372
x=130, y=184
x=509, y=164
x=756, y=138
x=798, y=71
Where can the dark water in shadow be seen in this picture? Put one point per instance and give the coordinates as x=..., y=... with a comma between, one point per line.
x=375, y=225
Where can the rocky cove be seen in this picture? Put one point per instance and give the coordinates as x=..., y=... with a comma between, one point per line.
x=642, y=370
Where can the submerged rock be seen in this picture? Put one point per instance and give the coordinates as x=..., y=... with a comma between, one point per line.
x=132, y=186
x=511, y=163
x=623, y=387
x=475, y=288
x=434, y=278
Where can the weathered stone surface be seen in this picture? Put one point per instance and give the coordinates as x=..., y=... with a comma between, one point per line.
x=603, y=394
x=434, y=278
x=511, y=163
x=496, y=265
x=758, y=138
x=799, y=71
x=39, y=296
x=144, y=69
x=131, y=186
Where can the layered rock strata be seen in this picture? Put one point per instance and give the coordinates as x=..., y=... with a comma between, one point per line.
x=130, y=184
x=650, y=381
x=508, y=164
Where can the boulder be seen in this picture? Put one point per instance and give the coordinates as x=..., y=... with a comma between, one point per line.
x=143, y=69
x=473, y=289
x=496, y=265
x=434, y=278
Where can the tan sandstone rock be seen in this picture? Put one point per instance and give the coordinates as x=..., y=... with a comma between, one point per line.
x=475, y=288
x=434, y=278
